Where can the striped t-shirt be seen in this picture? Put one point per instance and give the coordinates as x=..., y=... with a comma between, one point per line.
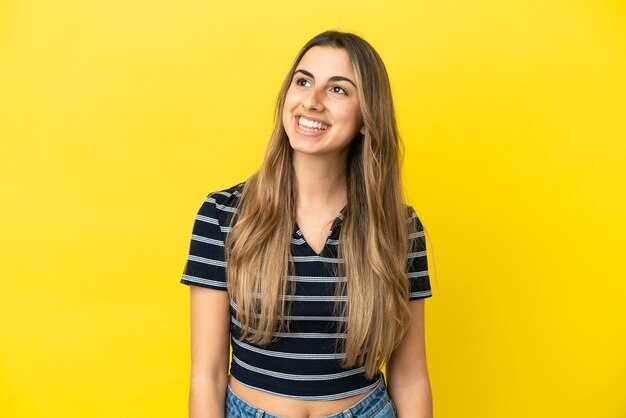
x=302, y=364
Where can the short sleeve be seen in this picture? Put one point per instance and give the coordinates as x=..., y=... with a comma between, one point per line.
x=206, y=266
x=417, y=262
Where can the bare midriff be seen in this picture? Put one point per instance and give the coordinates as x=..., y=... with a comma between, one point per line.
x=290, y=407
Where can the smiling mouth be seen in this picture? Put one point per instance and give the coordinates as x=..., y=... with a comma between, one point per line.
x=309, y=125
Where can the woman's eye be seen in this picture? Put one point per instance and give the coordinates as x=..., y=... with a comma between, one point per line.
x=340, y=88
x=299, y=80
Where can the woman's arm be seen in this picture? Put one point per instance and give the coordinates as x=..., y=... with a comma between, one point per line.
x=210, y=349
x=407, y=375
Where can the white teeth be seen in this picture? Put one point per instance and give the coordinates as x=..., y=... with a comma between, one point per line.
x=311, y=124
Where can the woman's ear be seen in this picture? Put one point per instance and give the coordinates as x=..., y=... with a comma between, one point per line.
x=362, y=130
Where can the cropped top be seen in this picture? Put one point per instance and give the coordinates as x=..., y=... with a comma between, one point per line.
x=302, y=364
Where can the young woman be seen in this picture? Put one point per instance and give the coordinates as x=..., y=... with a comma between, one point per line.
x=314, y=267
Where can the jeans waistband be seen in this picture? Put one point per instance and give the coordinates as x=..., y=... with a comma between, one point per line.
x=373, y=401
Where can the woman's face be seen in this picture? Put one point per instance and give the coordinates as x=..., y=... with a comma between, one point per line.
x=323, y=97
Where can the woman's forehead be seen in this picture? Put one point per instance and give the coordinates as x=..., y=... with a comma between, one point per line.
x=326, y=62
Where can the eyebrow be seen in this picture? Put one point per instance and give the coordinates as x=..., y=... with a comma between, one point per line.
x=333, y=78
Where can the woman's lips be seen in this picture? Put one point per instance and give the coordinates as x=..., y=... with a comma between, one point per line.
x=312, y=133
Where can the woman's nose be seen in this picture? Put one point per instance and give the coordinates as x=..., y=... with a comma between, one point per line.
x=312, y=101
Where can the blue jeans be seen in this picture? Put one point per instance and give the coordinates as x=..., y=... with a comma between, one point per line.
x=377, y=404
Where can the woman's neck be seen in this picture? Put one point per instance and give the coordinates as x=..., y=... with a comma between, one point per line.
x=321, y=183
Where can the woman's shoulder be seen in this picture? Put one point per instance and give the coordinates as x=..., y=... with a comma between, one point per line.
x=229, y=194
x=225, y=200
x=412, y=216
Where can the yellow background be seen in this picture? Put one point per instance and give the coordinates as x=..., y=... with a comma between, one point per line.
x=117, y=118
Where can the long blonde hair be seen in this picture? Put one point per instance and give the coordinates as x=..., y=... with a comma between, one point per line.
x=374, y=236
